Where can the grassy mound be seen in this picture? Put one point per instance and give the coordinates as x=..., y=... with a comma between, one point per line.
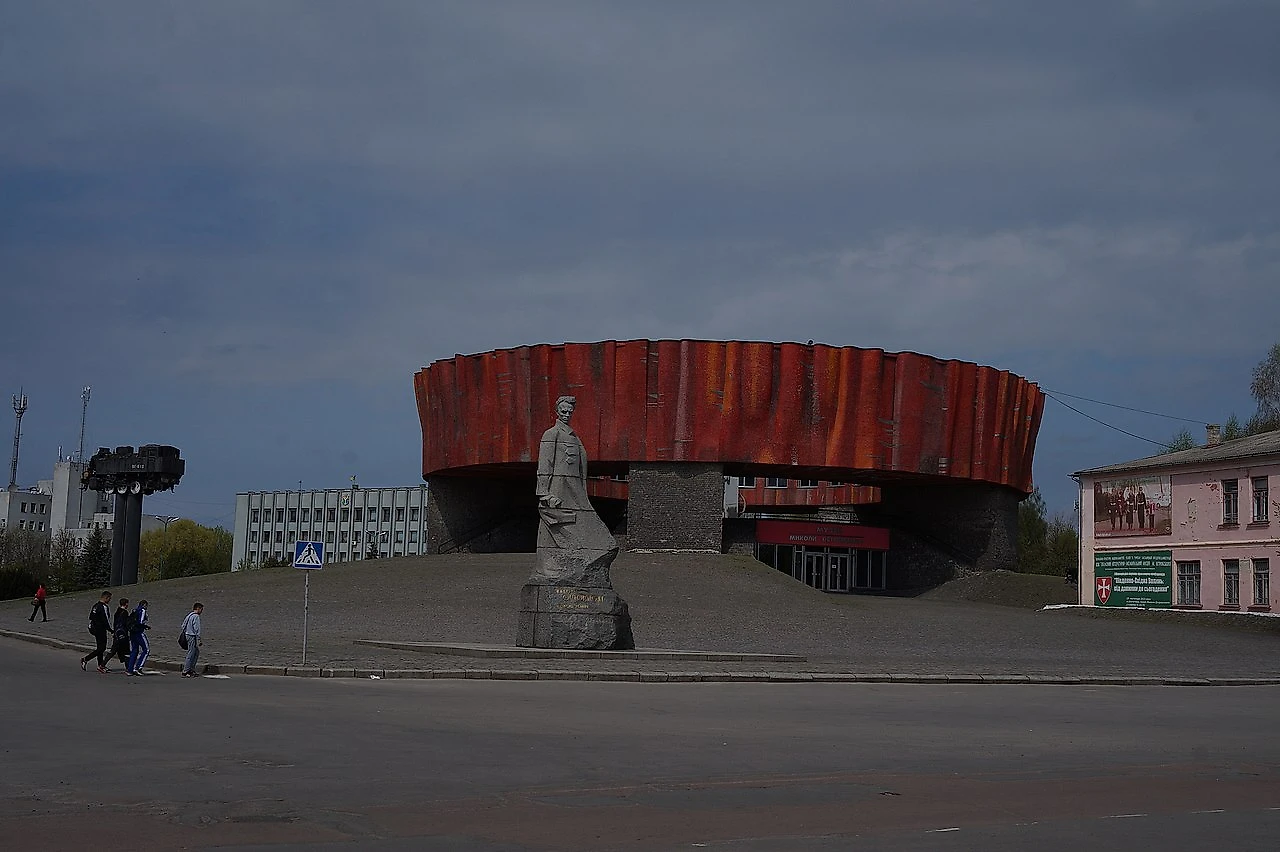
x=1007, y=588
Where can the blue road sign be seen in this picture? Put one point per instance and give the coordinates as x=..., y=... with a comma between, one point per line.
x=308, y=554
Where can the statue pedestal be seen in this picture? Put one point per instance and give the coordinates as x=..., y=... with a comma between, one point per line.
x=579, y=618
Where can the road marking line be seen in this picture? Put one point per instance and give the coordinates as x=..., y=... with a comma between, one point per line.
x=1124, y=816
x=940, y=830
x=1218, y=811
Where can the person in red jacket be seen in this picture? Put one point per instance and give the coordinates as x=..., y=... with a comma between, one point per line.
x=37, y=605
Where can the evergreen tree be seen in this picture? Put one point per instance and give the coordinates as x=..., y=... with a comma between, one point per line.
x=1181, y=441
x=95, y=561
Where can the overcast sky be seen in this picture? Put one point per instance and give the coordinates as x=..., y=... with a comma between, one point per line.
x=247, y=224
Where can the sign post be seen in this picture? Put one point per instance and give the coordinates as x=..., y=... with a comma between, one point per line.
x=309, y=556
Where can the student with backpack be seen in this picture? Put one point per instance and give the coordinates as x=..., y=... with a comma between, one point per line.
x=100, y=627
x=138, y=645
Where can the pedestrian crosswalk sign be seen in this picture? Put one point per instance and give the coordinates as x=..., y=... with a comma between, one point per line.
x=308, y=554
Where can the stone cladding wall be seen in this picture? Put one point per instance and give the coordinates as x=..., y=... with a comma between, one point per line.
x=481, y=515
x=739, y=536
x=975, y=526
x=675, y=506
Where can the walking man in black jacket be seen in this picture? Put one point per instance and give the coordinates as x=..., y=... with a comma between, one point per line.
x=100, y=627
x=120, y=633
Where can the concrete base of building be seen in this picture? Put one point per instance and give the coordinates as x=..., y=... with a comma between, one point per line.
x=939, y=531
x=675, y=507
x=481, y=515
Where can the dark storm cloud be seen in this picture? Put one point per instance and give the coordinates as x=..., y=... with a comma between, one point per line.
x=277, y=194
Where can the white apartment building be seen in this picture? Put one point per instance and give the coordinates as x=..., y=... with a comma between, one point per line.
x=348, y=520
x=25, y=509
x=58, y=504
x=71, y=508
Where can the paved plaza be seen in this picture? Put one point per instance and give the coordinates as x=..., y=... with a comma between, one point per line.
x=686, y=602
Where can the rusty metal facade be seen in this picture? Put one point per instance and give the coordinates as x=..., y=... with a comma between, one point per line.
x=770, y=409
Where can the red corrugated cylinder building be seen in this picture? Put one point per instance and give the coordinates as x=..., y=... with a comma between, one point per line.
x=936, y=452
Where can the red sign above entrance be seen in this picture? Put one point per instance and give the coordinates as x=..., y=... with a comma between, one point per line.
x=810, y=534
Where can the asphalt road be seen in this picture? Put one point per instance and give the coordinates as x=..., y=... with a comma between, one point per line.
x=280, y=763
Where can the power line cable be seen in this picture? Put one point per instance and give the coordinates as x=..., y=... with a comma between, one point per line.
x=1160, y=444
x=1123, y=407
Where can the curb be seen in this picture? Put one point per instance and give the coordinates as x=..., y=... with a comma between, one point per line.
x=663, y=676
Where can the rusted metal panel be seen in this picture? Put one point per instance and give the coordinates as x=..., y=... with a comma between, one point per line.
x=763, y=407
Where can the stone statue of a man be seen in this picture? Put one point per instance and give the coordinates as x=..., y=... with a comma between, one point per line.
x=567, y=523
x=569, y=601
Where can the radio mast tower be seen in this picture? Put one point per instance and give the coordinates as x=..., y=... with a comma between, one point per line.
x=19, y=409
x=84, y=411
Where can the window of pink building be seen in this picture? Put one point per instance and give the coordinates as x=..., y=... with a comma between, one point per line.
x=1231, y=582
x=1189, y=583
x=1230, y=501
x=1261, y=511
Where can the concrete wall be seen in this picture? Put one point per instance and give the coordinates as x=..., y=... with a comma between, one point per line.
x=675, y=506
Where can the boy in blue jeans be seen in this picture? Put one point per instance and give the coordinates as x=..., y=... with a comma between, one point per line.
x=139, y=648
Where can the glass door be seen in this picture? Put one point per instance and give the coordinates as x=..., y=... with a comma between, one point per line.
x=815, y=568
x=837, y=573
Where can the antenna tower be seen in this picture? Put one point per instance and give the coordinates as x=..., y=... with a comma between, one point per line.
x=19, y=409
x=84, y=411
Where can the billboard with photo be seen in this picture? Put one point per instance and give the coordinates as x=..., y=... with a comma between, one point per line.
x=1133, y=506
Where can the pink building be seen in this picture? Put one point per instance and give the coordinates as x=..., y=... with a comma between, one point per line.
x=1187, y=530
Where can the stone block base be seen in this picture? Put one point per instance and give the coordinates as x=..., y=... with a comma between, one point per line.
x=574, y=617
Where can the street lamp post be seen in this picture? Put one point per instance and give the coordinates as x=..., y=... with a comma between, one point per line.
x=164, y=556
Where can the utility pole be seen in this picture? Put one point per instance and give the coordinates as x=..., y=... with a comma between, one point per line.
x=19, y=409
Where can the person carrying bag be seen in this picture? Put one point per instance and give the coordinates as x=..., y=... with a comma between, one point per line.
x=189, y=639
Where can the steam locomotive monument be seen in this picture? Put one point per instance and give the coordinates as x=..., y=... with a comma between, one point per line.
x=131, y=475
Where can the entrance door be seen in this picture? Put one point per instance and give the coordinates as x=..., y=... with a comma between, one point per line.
x=815, y=568
x=837, y=579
